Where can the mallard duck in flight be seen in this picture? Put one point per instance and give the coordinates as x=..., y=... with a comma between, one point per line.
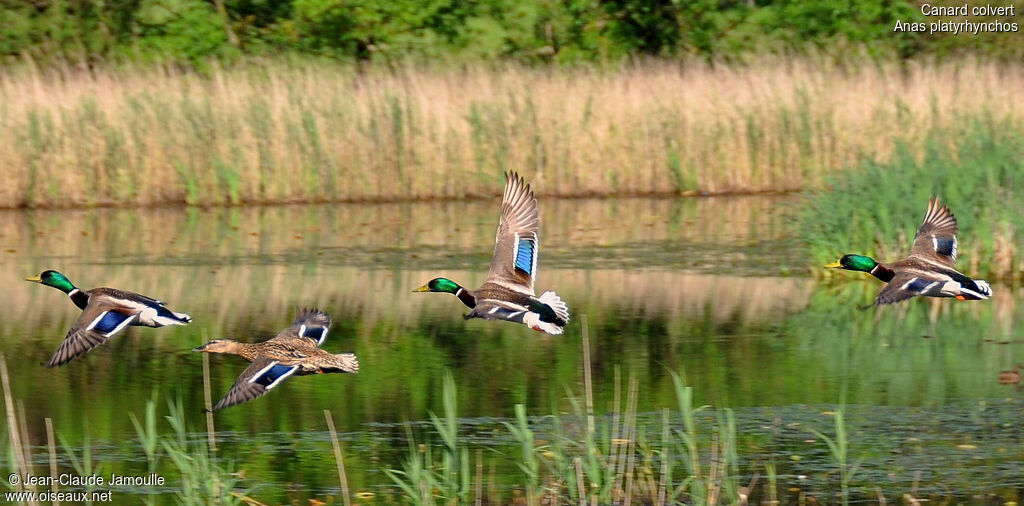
x=294, y=351
x=508, y=293
x=930, y=270
x=105, y=312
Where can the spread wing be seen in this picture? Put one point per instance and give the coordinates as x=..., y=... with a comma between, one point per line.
x=260, y=377
x=98, y=322
x=516, y=243
x=904, y=286
x=493, y=309
x=114, y=293
x=936, y=239
x=310, y=325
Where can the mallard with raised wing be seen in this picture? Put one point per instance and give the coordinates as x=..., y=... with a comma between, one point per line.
x=105, y=312
x=508, y=293
x=295, y=351
x=930, y=270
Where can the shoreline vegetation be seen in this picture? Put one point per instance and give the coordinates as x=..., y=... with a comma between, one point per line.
x=307, y=132
x=876, y=206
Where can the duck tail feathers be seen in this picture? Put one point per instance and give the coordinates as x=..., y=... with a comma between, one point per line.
x=536, y=322
x=533, y=321
x=557, y=305
x=163, y=318
x=978, y=290
x=345, y=362
x=984, y=290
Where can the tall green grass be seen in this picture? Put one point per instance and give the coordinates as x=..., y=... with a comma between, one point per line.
x=197, y=476
x=839, y=449
x=607, y=460
x=424, y=480
x=295, y=132
x=203, y=478
x=876, y=206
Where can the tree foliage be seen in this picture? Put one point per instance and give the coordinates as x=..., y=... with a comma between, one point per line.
x=561, y=31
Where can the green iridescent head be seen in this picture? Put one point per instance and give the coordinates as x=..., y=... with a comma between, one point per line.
x=54, y=279
x=854, y=263
x=439, y=285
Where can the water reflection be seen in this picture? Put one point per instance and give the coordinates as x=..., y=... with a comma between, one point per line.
x=242, y=272
x=710, y=287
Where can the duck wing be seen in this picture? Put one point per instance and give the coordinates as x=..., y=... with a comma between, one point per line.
x=262, y=376
x=310, y=327
x=495, y=309
x=936, y=238
x=546, y=314
x=514, y=263
x=905, y=285
x=128, y=297
x=101, y=319
x=151, y=312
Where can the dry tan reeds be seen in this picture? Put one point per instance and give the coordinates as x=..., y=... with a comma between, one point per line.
x=288, y=133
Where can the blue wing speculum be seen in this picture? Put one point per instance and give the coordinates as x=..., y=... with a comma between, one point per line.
x=918, y=285
x=109, y=322
x=526, y=254
x=316, y=333
x=945, y=246
x=273, y=374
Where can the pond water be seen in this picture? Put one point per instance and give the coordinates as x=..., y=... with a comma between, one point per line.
x=713, y=288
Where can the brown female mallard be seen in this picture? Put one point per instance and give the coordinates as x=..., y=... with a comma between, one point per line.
x=295, y=351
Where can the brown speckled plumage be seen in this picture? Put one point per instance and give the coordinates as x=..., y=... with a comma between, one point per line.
x=286, y=354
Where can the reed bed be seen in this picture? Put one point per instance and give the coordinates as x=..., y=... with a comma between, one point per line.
x=610, y=462
x=691, y=457
x=323, y=132
x=199, y=471
x=876, y=207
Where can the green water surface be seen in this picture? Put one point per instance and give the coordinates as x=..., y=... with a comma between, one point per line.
x=717, y=289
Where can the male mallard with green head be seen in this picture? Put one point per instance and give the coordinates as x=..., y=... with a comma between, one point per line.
x=105, y=312
x=508, y=292
x=294, y=351
x=930, y=270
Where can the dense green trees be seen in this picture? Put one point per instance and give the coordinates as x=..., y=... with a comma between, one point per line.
x=562, y=31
